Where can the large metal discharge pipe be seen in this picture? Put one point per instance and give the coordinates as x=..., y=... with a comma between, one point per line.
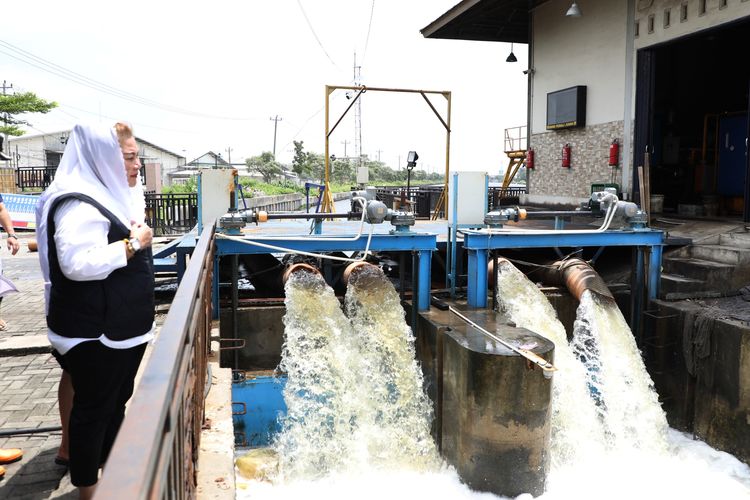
x=296, y=268
x=578, y=276
x=354, y=268
x=575, y=274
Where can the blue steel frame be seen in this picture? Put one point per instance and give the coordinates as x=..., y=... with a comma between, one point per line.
x=422, y=243
x=453, y=228
x=478, y=245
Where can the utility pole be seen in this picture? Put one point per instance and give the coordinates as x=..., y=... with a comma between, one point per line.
x=275, y=121
x=229, y=152
x=378, y=151
x=6, y=117
x=345, y=142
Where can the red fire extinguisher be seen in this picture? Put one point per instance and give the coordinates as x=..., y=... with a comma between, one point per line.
x=530, y=159
x=566, y=156
x=614, y=153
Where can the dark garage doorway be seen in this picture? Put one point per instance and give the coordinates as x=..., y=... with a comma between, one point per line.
x=692, y=116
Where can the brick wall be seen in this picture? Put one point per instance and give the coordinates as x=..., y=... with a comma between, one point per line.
x=589, y=160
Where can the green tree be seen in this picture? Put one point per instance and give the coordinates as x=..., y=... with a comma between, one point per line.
x=11, y=106
x=265, y=165
x=342, y=171
x=300, y=162
x=316, y=166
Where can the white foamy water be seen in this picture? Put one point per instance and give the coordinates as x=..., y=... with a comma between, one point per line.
x=321, y=366
x=688, y=470
x=577, y=432
x=354, y=388
x=630, y=451
x=394, y=414
x=326, y=453
x=628, y=404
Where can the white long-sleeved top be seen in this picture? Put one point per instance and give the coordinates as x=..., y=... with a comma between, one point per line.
x=84, y=254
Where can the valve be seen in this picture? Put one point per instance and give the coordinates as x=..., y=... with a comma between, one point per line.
x=497, y=218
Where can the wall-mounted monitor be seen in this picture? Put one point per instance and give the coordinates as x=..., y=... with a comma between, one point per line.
x=566, y=108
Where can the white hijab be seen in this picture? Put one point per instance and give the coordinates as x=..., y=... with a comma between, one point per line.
x=92, y=165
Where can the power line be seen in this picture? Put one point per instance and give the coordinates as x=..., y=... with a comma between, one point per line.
x=59, y=71
x=304, y=125
x=115, y=118
x=309, y=24
x=369, y=26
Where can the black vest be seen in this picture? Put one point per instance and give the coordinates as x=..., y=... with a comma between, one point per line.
x=121, y=306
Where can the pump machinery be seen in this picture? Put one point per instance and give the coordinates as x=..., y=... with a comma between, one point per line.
x=363, y=206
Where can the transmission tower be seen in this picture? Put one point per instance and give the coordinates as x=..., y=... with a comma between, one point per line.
x=357, y=115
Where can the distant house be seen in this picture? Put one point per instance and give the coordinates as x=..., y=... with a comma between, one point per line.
x=46, y=150
x=209, y=160
x=190, y=169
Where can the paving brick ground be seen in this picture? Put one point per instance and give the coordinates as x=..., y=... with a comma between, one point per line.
x=28, y=383
x=29, y=376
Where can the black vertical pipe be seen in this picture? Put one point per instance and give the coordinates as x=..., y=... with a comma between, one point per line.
x=746, y=207
x=235, y=306
x=414, y=290
x=494, y=280
x=401, y=275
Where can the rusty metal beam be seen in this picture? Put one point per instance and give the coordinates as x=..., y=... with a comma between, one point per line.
x=156, y=450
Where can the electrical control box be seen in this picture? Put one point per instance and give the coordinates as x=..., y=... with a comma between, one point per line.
x=467, y=198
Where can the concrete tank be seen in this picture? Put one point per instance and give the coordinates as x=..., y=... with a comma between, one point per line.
x=492, y=408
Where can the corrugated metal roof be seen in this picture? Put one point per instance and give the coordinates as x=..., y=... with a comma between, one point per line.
x=484, y=20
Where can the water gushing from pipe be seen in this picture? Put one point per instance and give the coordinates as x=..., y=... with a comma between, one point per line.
x=576, y=431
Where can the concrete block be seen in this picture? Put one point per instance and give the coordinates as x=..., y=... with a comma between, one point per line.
x=496, y=438
x=721, y=253
x=262, y=330
x=673, y=283
x=717, y=276
x=738, y=239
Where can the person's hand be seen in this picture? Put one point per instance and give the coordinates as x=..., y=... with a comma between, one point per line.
x=13, y=244
x=143, y=233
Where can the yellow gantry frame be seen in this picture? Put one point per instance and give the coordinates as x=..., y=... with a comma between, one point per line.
x=517, y=160
x=327, y=205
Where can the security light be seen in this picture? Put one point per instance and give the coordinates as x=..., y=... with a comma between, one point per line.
x=411, y=159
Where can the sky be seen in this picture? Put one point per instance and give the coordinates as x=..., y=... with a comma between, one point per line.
x=197, y=76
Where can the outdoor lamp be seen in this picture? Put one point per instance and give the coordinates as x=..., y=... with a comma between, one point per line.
x=411, y=159
x=511, y=57
x=574, y=11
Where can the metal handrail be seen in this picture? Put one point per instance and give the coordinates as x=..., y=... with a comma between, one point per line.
x=156, y=450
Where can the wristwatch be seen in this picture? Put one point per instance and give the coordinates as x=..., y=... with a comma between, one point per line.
x=135, y=244
x=13, y=235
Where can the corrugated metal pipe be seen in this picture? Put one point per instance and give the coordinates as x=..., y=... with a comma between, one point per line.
x=577, y=275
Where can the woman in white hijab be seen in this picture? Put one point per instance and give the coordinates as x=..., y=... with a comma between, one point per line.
x=95, y=255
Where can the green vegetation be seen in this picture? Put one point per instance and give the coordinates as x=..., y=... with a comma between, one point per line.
x=344, y=171
x=17, y=104
x=310, y=166
x=266, y=165
x=253, y=187
x=191, y=186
